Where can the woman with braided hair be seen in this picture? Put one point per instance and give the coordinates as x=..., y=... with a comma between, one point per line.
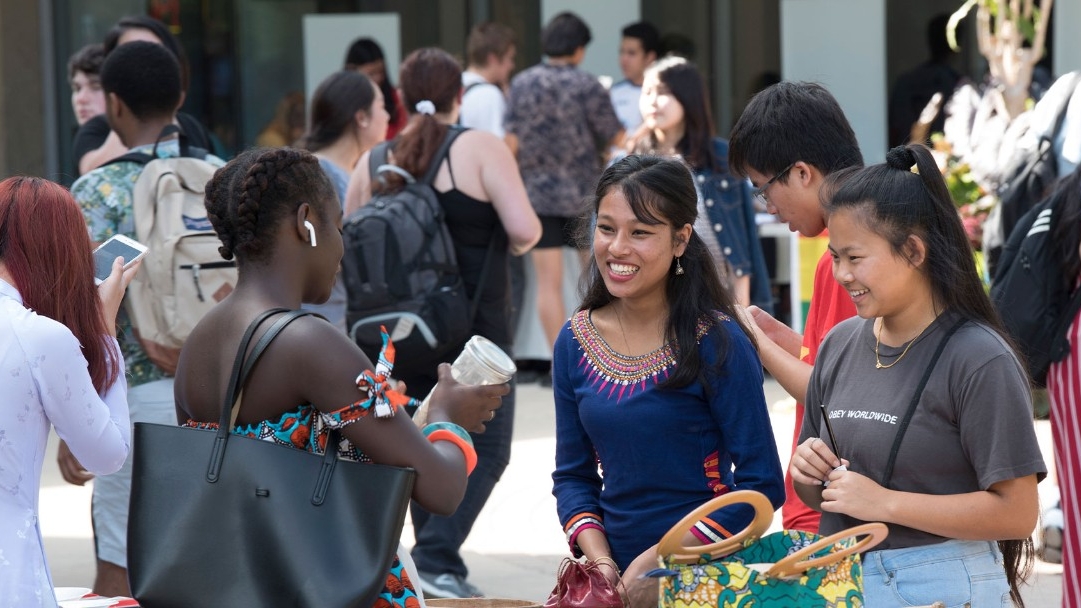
x=277, y=213
x=927, y=369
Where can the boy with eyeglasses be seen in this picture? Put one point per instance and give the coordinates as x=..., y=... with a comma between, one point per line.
x=794, y=143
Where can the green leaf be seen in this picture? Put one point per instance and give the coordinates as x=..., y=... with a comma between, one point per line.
x=1028, y=27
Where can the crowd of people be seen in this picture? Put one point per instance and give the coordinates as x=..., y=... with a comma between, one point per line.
x=904, y=355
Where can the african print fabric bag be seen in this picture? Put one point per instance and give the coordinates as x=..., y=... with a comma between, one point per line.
x=784, y=570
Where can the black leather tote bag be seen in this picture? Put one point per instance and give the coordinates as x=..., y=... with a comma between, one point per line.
x=222, y=520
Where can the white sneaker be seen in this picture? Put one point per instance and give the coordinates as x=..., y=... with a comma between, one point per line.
x=447, y=585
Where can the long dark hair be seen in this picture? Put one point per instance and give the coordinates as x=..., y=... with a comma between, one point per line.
x=897, y=203
x=660, y=191
x=334, y=104
x=46, y=250
x=366, y=50
x=686, y=84
x=428, y=74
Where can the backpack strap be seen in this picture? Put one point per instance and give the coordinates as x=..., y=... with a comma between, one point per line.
x=142, y=158
x=453, y=131
x=915, y=401
x=378, y=163
x=469, y=88
x=377, y=160
x=497, y=239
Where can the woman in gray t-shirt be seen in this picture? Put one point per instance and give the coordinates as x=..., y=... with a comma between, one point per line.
x=951, y=467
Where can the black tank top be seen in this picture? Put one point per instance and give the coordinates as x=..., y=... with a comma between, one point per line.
x=473, y=226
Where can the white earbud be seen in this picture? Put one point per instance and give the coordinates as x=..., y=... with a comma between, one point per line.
x=311, y=232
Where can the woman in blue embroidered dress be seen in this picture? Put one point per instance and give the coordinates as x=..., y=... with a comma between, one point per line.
x=658, y=389
x=277, y=212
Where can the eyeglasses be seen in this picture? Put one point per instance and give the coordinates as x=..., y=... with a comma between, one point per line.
x=759, y=193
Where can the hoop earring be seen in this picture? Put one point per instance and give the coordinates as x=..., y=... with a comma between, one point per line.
x=311, y=233
x=679, y=268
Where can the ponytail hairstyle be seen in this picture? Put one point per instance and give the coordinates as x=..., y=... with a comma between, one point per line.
x=895, y=203
x=431, y=81
x=660, y=191
x=335, y=103
x=248, y=197
x=47, y=251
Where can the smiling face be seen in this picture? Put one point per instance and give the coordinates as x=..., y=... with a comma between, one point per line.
x=881, y=282
x=660, y=108
x=793, y=198
x=634, y=258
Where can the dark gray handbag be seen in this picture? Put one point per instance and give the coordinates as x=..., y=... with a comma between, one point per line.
x=222, y=520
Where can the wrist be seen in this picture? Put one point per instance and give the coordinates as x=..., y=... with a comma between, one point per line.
x=453, y=433
x=607, y=562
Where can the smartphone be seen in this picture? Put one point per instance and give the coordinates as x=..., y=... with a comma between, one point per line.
x=117, y=245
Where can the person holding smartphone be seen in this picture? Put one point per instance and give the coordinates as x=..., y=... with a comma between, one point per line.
x=118, y=246
x=61, y=367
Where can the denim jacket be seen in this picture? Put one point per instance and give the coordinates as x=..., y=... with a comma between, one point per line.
x=730, y=206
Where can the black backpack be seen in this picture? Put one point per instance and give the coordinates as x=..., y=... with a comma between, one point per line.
x=1032, y=171
x=401, y=272
x=1030, y=292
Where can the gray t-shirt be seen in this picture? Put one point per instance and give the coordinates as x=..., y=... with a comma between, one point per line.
x=972, y=428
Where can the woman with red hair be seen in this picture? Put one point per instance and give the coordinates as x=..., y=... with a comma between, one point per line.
x=60, y=365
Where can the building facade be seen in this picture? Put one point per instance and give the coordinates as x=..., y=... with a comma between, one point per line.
x=247, y=55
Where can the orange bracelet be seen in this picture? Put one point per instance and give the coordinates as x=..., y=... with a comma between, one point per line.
x=467, y=449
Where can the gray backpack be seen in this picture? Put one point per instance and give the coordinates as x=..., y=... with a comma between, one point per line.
x=401, y=272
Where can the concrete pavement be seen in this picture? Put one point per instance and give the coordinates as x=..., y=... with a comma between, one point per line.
x=515, y=547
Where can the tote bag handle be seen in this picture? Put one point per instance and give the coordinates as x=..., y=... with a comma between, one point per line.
x=671, y=547
x=795, y=564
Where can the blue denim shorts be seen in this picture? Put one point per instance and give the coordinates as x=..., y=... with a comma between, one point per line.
x=958, y=573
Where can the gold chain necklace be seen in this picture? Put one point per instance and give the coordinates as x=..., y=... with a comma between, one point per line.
x=626, y=343
x=878, y=342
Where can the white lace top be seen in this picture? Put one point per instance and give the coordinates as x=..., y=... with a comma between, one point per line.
x=44, y=380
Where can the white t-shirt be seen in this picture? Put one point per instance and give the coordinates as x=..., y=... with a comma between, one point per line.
x=625, y=100
x=483, y=105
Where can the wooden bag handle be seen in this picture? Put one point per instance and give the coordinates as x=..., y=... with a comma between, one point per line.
x=791, y=565
x=671, y=547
